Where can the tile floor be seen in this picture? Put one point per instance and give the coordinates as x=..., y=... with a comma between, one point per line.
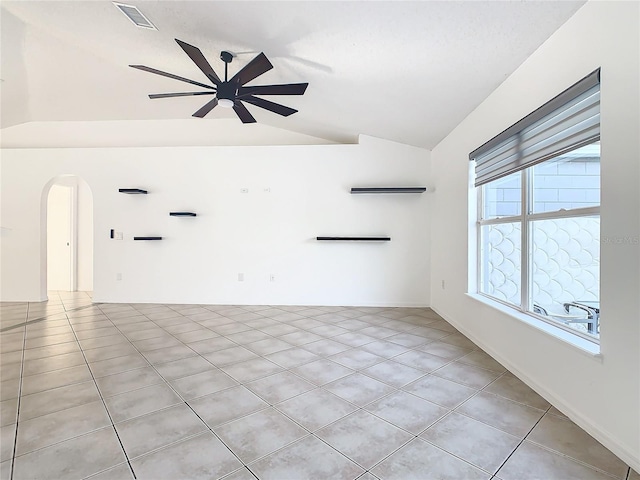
x=120, y=391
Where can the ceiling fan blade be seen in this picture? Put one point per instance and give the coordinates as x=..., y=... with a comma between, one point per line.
x=243, y=113
x=170, y=75
x=271, y=106
x=183, y=94
x=253, y=69
x=206, y=108
x=196, y=55
x=285, y=89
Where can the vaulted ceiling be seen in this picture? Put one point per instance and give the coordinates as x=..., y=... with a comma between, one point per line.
x=399, y=70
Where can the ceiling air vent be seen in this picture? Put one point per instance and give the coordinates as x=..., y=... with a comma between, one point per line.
x=135, y=15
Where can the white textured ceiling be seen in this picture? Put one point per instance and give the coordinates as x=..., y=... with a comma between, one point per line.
x=403, y=71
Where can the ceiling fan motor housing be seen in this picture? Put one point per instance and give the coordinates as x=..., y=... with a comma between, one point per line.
x=227, y=90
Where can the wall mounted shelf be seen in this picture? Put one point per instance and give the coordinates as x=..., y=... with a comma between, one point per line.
x=361, y=190
x=182, y=214
x=133, y=191
x=355, y=239
x=147, y=238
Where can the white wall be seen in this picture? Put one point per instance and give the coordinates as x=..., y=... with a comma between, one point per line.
x=256, y=233
x=600, y=393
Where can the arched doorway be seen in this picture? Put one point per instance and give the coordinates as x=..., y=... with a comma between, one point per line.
x=68, y=235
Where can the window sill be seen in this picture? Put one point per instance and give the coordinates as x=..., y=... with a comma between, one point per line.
x=585, y=346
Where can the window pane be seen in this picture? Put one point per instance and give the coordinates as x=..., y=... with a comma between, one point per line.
x=502, y=197
x=569, y=181
x=500, y=269
x=566, y=271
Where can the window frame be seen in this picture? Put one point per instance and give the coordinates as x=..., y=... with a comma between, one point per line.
x=525, y=218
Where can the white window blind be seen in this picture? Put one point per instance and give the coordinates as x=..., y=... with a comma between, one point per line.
x=568, y=121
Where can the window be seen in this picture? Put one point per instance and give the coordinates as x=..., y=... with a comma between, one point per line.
x=539, y=211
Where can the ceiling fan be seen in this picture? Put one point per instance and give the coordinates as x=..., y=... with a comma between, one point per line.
x=230, y=93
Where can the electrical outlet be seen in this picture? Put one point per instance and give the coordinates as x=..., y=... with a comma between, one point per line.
x=443, y=284
x=272, y=278
x=241, y=277
x=118, y=277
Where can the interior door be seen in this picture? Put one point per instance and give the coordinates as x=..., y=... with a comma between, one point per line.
x=59, y=238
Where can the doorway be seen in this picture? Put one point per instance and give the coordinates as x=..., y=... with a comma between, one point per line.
x=61, y=245
x=68, y=235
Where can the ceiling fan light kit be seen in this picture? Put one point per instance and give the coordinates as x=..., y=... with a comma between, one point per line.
x=231, y=93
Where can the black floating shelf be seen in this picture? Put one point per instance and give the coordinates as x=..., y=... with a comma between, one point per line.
x=133, y=191
x=355, y=239
x=388, y=189
x=147, y=238
x=182, y=214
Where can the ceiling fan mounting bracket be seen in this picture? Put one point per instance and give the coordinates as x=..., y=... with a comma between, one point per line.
x=226, y=57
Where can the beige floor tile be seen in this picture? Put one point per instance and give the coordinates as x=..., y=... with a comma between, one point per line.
x=308, y=458
x=511, y=387
x=211, y=345
x=356, y=359
x=506, y=415
x=292, y=357
x=127, y=381
x=169, y=354
x=202, y=457
x=393, y=373
x=359, y=389
x=91, y=453
x=228, y=356
x=468, y=375
x=251, y=369
x=110, y=351
x=249, y=336
x=58, y=378
x=7, y=440
x=50, y=351
x=364, y=438
x=384, y=348
x=325, y=347
x=103, y=341
x=117, y=365
x=55, y=427
x=407, y=411
x=479, y=444
x=445, y=350
x=316, y=409
x=8, y=411
x=566, y=437
x=140, y=402
x=5, y=470
x=354, y=339
x=421, y=360
x=279, y=387
x=119, y=472
x=184, y=367
x=531, y=462
x=481, y=359
x=408, y=340
x=202, y=383
x=322, y=371
x=144, y=434
x=420, y=460
x=259, y=434
x=57, y=399
x=227, y=405
x=438, y=390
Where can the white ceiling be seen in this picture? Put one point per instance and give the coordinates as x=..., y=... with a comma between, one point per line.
x=403, y=71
